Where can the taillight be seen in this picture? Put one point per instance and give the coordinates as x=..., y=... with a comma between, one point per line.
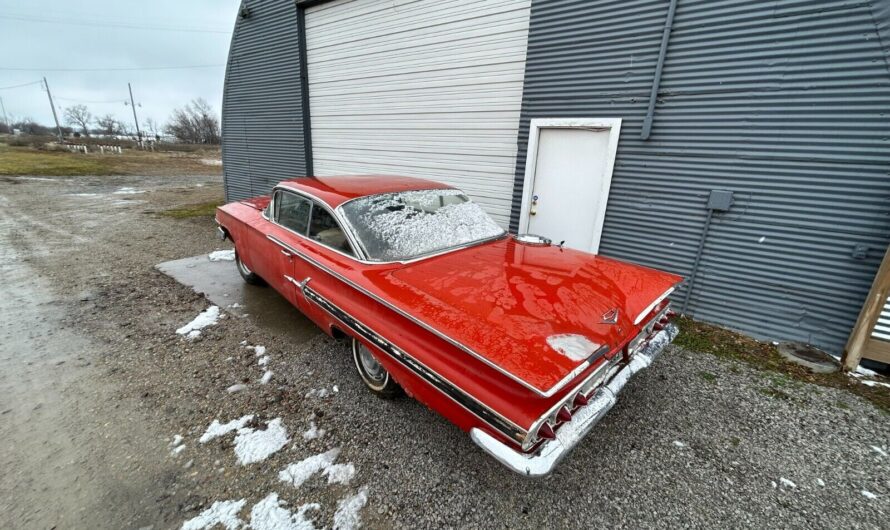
x=563, y=415
x=546, y=431
x=580, y=400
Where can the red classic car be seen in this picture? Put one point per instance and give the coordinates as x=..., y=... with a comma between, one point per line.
x=520, y=342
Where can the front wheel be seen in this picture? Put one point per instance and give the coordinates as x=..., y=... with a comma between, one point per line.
x=373, y=374
x=249, y=276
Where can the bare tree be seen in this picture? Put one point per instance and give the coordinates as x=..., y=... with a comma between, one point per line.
x=195, y=123
x=109, y=125
x=79, y=116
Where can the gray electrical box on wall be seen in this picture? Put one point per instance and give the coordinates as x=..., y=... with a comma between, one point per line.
x=720, y=200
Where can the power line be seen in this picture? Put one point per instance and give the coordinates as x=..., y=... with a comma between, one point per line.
x=75, y=100
x=44, y=20
x=112, y=69
x=19, y=86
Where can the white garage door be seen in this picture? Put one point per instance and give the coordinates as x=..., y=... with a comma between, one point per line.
x=425, y=88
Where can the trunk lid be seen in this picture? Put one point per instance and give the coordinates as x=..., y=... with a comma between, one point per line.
x=537, y=313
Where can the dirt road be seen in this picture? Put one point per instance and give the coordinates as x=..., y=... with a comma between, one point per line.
x=104, y=408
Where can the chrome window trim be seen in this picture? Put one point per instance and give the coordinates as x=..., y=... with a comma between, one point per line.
x=437, y=381
x=431, y=329
x=312, y=201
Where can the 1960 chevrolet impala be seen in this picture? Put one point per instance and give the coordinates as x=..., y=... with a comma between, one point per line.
x=522, y=343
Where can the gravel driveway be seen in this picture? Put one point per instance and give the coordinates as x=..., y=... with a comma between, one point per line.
x=693, y=442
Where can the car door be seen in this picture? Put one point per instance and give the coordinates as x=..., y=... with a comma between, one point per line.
x=289, y=221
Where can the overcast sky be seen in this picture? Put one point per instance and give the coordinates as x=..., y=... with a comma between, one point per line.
x=88, y=50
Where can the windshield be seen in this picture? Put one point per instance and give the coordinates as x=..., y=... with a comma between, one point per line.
x=405, y=225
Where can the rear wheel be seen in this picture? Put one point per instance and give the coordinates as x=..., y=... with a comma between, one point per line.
x=248, y=275
x=373, y=374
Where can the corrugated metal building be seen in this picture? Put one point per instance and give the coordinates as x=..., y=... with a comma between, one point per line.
x=782, y=103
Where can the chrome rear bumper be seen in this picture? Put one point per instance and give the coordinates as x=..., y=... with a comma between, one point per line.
x=547, y=456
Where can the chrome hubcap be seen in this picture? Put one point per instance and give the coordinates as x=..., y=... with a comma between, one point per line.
x=370, y=365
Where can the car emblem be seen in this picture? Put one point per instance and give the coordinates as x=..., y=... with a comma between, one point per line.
x=610, y=316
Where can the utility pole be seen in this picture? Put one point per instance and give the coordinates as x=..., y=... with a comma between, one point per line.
x=135, y=119
x=5, y=119
x=52, y=106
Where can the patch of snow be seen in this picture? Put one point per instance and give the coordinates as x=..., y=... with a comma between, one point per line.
x=773, y=482
x=236, y=388
x=211, y=161
x=875, y=383
x=339, y=473
x=266, y=377
x=217, y=429
x=335, y=389
x=787, y=483
x=575, y=347
x=128, y=191
x=271, y=514
x=222, y=255
x=878, y=450
x=865, y=371
x=868, y=495
x=348, y=514
x=236, y=305
x=411, y=223
x=208, y=317
x=313, y=432
x=83, y=194
x=177, y=439
x=220, y=512
x=820, y=482
x=176, y=450
x=253, y=446
x=680, y=444
x=259, y=350
x=297, y=474
x=243, y=342
x=263, y=361
x=317, y=392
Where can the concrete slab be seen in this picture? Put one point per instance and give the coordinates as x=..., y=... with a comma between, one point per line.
x=220, y=282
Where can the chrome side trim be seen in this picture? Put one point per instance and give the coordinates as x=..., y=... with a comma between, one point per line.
x=573, y=374
x=570, y=434
x=452, y=391
x=653, y=304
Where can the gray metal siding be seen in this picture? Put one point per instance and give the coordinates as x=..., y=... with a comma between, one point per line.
x=783, y=102
x=262, y=108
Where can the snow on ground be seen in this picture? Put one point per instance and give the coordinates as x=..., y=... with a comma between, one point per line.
x=348, y=514
x=865, y=371
x=217, y=429
x=679, y=444
x=208, y=317
x=271, y=514
x=266, y=377
x=321, y=392
x=339, y=473
x=875, y=383
x=128, y=191
x=263, y=361
x=236, y=388
x=313, y=432
x=253, y=446
x=297, y=474
x=211, y=161
x=258, y=350
x=224, y=513
x=878, y=450
x=787, y=483
x=176, y=450
x=868, y=495
x=222, y=255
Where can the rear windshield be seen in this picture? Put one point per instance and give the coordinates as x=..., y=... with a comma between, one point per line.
x=409, y=224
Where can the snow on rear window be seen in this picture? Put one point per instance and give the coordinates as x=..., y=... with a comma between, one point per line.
x=405, y=225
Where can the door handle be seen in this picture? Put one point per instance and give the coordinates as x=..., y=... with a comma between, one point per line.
x=286, y=253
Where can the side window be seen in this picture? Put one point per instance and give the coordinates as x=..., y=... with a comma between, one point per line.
x=292, y=211
x=325, y=229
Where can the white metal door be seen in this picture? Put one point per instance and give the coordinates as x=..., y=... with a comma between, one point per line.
x=426, y=88
x=567, y=181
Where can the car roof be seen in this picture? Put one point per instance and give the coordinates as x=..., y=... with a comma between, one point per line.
x=336, y=190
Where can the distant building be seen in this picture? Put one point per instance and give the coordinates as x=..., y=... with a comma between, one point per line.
x=767, y=124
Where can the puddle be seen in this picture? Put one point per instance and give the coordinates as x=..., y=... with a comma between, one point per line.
x=220, y=282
